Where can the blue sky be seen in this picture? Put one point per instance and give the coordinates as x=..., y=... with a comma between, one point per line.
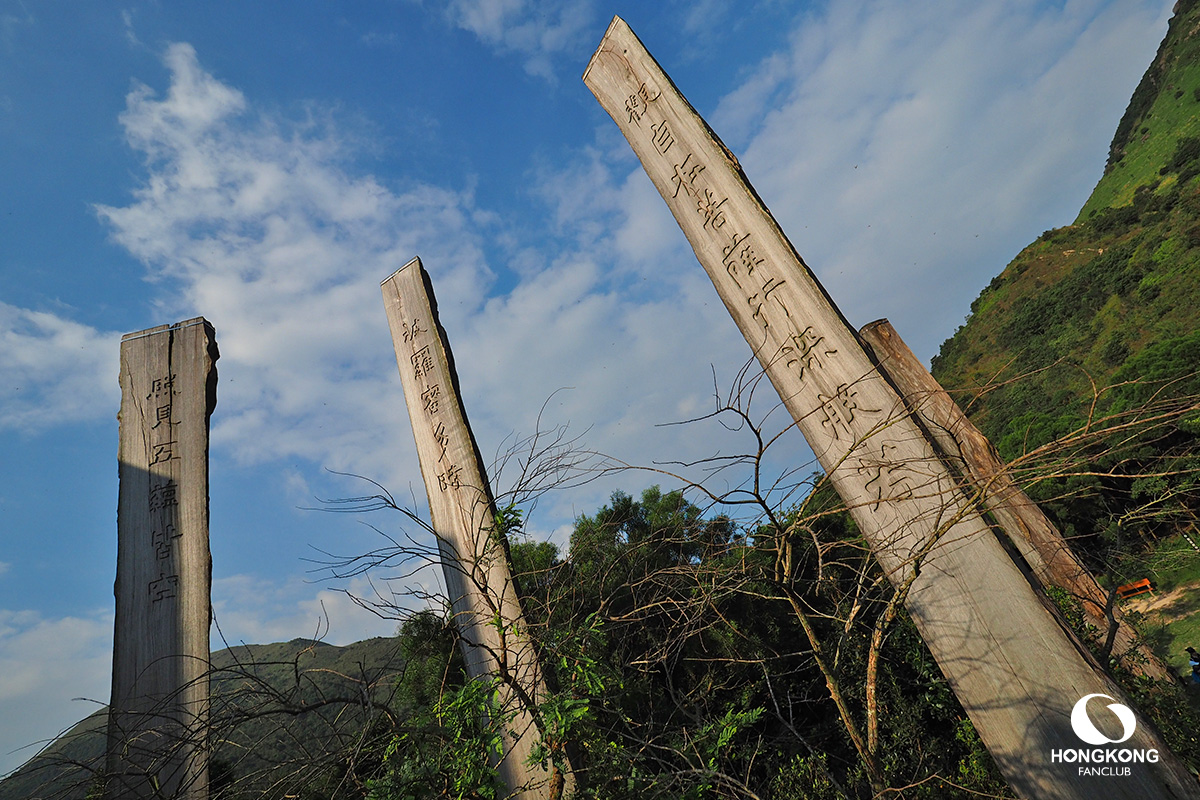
x=266, y=165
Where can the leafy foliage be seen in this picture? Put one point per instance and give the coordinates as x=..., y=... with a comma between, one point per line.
x=686, y=674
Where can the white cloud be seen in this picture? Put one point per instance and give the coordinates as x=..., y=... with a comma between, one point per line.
x=537, y=30
x=253, y=610
x=910, y=152
x=56, y=371
x=263, y=228
x=46, y=664
x=255, y=223
x=4, y=567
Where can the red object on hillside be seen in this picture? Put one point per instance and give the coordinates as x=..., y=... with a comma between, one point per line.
x=1134, y=589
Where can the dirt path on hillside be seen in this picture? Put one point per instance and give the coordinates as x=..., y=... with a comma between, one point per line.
x=1169, y=606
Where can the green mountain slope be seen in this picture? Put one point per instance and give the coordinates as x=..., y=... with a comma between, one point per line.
x=1099, y=316
x=285, y=715
x=1162, y=110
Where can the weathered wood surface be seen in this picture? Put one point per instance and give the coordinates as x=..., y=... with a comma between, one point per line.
x=1016, y=671
x=1030, y=531
x=158, y=716
x=475, y=562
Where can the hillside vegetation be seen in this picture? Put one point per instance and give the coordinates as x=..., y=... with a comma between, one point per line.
x=1100, y=318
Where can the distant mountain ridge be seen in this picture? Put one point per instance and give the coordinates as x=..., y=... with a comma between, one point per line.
x=280, y=710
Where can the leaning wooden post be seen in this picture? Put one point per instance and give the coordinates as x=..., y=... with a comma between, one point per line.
x=1029, y=530
x=1017, y=672
x=158, y=716
x=475, y=561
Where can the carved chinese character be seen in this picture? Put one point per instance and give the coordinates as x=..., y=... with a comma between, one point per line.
x=757, y=299
x=162, y=539
x=162, y=452
x=662, y=137
x=164, y=588
x=162, y=415
x=685, y=176
x=422, y=362
x=634, y=106
x=637, y=104
x=442, y=438
x=410, y=331
x=803, y=351
x=430, y=398
x=886, y=481
x=840, y=409
x=740, y=258
x=162, y=386
x=451, y=478
x=710, y=209
x=164, y=496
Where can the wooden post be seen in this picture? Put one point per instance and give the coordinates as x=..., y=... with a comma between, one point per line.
x=475, y=561
x=158, y=716
x=1029, y=530
x=1017, y=672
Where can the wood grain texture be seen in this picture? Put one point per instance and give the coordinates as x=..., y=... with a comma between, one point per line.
x=1017, y=672
x=1030, y=531
x=475, y=562
x=158, y=715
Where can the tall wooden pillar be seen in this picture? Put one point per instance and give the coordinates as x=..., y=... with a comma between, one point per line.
x=1017, y=672
x=475, y=562
x=158, y=716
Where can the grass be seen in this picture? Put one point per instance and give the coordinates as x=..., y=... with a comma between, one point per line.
x=1174, y=568
x=1175, y=112
x=1174, y=563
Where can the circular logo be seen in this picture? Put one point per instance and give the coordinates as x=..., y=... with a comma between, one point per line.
x=1085, y=730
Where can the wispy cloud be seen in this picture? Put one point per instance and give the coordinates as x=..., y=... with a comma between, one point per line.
x=262, y=226
x=539, y=31
x=911, y=152
x=47, y=663
x=55, y=370
x=130, y=33
x=254, y=222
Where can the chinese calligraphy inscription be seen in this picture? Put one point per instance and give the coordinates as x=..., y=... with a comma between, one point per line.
x=475, y=567
x=161, y=644
x=1005, y=654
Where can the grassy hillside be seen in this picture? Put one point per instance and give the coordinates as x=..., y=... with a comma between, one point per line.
x=1096, y=296
x=1102, y=317
x=1165, y=107
x=284, y=714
